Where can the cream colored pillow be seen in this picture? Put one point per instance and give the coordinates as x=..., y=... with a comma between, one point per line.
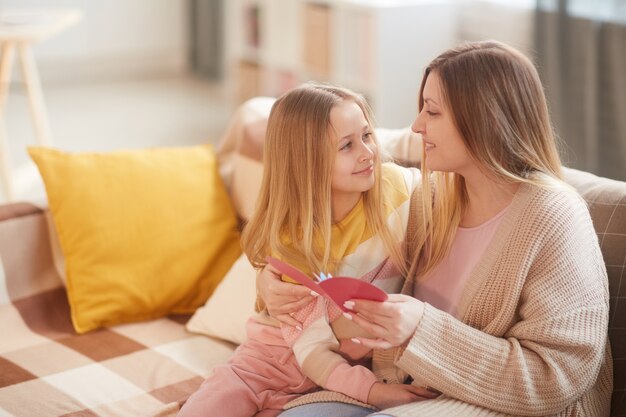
x=225, y=314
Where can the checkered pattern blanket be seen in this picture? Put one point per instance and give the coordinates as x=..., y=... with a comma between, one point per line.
x=46, y=369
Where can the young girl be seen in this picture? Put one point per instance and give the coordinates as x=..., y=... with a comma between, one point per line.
x=327, y=204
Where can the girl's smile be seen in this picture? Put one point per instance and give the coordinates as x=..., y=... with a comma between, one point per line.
x=365, y=172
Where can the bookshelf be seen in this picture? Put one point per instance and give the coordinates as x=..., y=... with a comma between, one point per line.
x=378, y=48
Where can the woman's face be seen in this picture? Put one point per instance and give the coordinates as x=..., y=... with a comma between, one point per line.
x=444, y=147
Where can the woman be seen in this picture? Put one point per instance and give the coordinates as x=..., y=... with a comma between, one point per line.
x=505, y=311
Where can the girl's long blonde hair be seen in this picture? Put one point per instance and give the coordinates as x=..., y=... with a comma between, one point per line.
x=497, y=103
x=292, y=219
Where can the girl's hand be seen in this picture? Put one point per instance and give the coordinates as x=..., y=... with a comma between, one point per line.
x=281, y=298
x=390, y=395
x=391, y=322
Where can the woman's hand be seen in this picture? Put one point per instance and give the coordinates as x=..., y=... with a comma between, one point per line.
x=281, y=298
x=390, y=395
x=391, y=322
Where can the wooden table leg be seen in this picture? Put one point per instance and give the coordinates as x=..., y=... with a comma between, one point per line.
x=6, y=63
x=33, y=86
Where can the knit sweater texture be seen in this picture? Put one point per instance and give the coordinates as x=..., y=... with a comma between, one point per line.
x=530, y=334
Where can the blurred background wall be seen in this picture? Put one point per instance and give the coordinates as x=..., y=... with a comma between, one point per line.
x=114, y=39
x=225, y=51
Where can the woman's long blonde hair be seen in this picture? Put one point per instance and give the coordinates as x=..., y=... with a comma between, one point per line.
x=292, y=219
x=497, y=103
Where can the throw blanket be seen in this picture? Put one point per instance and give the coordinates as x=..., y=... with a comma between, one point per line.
x=46, y=369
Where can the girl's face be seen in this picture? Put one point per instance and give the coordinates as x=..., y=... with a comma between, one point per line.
x=353, y=171
x=445, y=149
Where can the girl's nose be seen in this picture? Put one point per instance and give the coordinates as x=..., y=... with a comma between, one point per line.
x=366, y=152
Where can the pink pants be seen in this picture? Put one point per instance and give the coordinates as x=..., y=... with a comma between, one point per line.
x=258, y=381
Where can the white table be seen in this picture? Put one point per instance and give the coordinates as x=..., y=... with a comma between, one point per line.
x=20, y=29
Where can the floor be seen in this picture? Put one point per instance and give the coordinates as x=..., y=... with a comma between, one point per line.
x=115, y=115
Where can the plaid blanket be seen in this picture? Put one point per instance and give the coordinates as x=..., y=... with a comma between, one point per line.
x=46, y=369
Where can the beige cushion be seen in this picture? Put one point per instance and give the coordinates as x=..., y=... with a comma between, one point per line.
x=240, y=152
x=25, y=263
x=225, y=314
x=401, y=145
x=13, y=210
x=246, y=184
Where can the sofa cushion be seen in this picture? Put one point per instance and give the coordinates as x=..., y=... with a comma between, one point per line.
x=13, y=210
x=240, y=153
x=25, y=261
x=144, y=233
x=607, y=204
x=226, y=312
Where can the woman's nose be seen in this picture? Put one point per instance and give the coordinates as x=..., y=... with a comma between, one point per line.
x=418, y=125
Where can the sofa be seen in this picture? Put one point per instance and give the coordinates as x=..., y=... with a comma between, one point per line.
x=150, y=367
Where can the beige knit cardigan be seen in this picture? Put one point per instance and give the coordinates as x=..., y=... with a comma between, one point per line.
x=530, y=336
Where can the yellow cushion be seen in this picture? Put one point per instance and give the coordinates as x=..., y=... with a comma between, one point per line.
x=144, y=233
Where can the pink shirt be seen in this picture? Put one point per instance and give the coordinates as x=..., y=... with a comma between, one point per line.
x=444, y=285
